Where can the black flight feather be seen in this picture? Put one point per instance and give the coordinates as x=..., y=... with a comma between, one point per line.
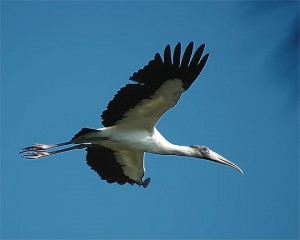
x=152, y=76
x=102, y=161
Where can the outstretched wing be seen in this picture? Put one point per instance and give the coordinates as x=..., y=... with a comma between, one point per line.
x=117, y=166
x=158, y=87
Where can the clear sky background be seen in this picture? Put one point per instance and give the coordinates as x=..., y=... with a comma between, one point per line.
x=61, y=62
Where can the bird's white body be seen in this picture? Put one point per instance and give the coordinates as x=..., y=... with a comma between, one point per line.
x=130, y=138
x=116, y=151
x=127, y=137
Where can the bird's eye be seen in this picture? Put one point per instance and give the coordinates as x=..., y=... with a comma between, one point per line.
x=205, y=149
x=205, y=152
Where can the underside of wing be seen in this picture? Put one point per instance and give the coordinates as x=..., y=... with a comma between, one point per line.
x=158, y=87
x=117, y=167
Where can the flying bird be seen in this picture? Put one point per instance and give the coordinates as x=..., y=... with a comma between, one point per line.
x=116, y=151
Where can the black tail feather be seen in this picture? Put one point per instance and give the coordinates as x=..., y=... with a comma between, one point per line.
x=82, y=132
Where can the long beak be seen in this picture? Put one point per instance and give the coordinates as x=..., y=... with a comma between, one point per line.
x=219, y=159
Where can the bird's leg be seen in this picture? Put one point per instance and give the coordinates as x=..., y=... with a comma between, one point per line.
x=40, y=150
x=41, y=147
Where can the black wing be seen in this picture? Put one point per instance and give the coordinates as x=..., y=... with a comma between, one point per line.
x=120, y=167
x=158, y=87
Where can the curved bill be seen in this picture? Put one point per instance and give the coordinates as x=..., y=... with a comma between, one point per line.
x=219, y=159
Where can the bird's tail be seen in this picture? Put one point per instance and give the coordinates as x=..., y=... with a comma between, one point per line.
x=82, y=132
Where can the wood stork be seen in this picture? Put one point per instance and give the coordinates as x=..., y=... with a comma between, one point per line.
x=116, y=151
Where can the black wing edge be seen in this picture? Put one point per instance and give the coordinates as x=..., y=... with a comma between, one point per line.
x=102, y=161
x=152, y=76
x=159, y=70
x=126, y=98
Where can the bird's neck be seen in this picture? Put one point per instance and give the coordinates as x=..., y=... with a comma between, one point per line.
x=163, y=146
x=180, y=150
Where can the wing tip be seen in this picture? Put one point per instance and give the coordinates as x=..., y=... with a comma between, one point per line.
x=204, y=58
x=146, y=182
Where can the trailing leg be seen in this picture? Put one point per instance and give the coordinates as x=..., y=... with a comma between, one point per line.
x=40, y=150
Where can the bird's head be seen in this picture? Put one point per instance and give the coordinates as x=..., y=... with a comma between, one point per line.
x=204, y=152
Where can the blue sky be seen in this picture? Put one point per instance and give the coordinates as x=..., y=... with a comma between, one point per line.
x=61, y=62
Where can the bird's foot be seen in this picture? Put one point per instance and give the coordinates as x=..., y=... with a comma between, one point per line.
x=40, y=150
x=34, y=154
x=36, y=147
x=36, y=151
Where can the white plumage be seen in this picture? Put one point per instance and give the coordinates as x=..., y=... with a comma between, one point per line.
x=116, y=151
